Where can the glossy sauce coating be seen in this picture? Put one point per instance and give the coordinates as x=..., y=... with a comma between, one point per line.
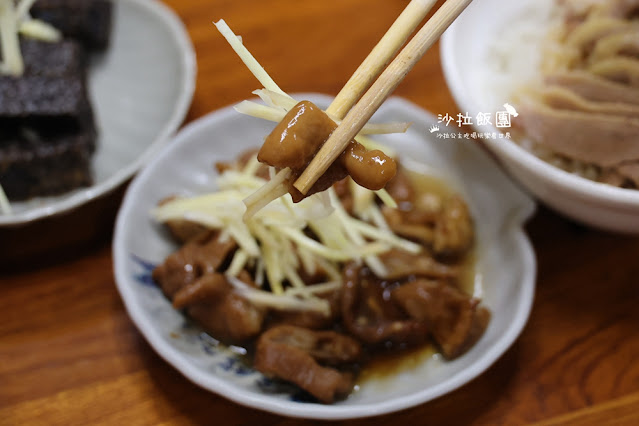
x=297, y=138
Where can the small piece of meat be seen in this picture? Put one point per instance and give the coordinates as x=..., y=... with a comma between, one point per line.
x=419, y=233
x=230, y=319
x=560, y=98
x=224, y=314
x=619, y=69
x=208, y=287
x=401, y=264
x=454, y=229
x=455, y=320
x=585, y=35
x=370, y=169
x=312, y=320
x=182, y=230
x=294, y=354
x=598, y=139
x=622, y=43
x=200, y=256
x=369, y=314
x=594, y=88
x=299, y=136
x=401, y=188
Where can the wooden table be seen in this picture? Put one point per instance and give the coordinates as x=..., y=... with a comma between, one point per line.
x=70, y=355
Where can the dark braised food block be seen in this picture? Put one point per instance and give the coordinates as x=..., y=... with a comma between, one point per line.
x=32, y=167
x=47, y=129
x=64, y=58
x=52, y=94
x=42, y=98
x=86, y=20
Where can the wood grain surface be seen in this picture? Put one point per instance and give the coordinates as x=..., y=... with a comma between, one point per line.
x=69, y=355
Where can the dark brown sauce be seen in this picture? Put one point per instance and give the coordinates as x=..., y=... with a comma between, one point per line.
x=382, y=363
x=385, y=364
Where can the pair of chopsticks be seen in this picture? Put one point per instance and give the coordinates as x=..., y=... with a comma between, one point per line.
x=389, y=79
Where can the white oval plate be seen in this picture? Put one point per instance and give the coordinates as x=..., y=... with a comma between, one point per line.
x=469, y=68
x=506, y=268
x=141, y=89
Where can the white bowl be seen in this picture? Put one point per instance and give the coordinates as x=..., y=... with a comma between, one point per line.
x=466, y=60
x=506, y=268
x=141, y=89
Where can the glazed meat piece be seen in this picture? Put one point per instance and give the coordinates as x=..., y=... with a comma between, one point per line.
x=402, y=264
x=454, y=228
x=200, y=256
x=312, y=320
x=401, y=189
x=440, y=223
x=455, y=320
x=224, y=314
x=296, y=354
x=369, y=314
x=295, y=140
x=182, y=230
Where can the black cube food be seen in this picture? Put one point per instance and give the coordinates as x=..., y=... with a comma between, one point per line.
x=47, y=130
x=31, y=166
x=86, y=20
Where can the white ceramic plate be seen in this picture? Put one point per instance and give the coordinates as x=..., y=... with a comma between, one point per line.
x=141, y=89
x=468, y=66
x=506, y=263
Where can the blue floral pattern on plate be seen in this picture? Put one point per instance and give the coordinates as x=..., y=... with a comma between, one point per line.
x=228, y=362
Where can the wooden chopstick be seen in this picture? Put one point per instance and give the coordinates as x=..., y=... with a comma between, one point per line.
x=379, y=57
x=379, y=91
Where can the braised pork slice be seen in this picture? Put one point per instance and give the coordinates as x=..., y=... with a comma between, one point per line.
x=561, y=98
x=619, y=69
x=295, y=354
x=312, y=320
x=598, y=139
x=402, y=264
x=201, y=255
x=454, y=233
x=297, y=138
x=622, y=43
x=182, y=230
x=369, y=314
x=212, y=302
x=456, y=320
x=594, y=88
